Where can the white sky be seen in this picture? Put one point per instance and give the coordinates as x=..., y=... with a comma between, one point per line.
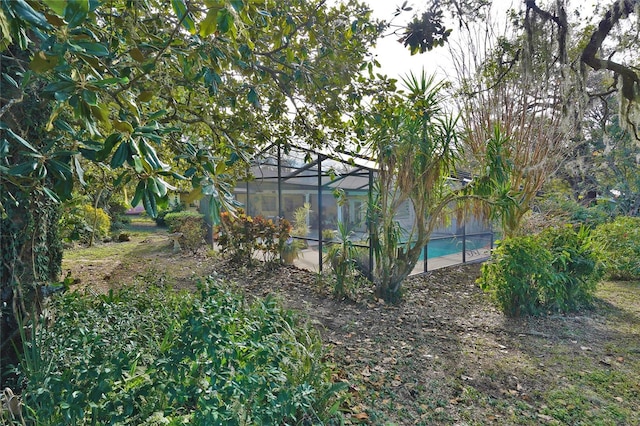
x=395, y=59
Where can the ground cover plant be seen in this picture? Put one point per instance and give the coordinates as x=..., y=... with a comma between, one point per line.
x=149, y=355
x=445, y=355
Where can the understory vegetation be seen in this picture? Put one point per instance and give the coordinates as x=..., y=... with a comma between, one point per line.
x=554, y=271
x=158, y=356
x=151, y=354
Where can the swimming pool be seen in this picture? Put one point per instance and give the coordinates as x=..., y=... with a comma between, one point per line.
x=442, y=247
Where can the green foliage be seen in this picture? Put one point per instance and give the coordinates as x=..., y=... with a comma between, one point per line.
x=243, y=236
x=83, y=223
x=570, y=211
x=517, y=274
x=532, y=275
x=139, y=357
x=300, y=220
x=97, y=219
x=174, y=207
x=192, y=227
x=618, y=246
x=341, y=258
x=175, y=220
x=575, y=267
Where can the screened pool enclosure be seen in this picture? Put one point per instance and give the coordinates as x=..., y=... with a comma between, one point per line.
x=328, y=189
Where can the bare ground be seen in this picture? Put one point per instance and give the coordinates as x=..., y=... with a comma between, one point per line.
x=444, y=355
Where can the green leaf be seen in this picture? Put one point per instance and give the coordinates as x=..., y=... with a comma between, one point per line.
x=183, y=14
x=149, y=202
x=140, y=189
x=54, y=197
x=123, y=126
x=17, y=138
x=10, y=80
x=210, y=23
x=76, y=12
x=42, y=62
x=225, y=21
x=23, y=169
x=120, y=156
x=137, y=55
x=79, y=170
x=95, y=49
x=109, y=143
x=145, y=96
x=253, y=98
x=90, y=97
x=60, y=86
x=25, y=12
x=137, y=164
x=58, y=6
x=59, y=168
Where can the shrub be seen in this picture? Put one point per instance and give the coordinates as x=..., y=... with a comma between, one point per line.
x=516, y=275
x=83, y=223
x=174, y=207
x=139, y=357
x=192, y=227
x=554, y=271
x=242, y=236
x=618, y=247
x=575, y=265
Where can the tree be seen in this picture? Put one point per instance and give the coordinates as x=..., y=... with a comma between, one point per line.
x=415, y=143
x=131, y=85
x=496, y=91
x=607, y=45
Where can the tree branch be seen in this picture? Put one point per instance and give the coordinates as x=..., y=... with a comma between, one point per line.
x=619, y=10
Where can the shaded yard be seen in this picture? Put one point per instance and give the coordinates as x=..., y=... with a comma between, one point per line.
x=443, y=356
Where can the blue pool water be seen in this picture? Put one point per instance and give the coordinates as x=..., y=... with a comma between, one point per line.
x=437, y=248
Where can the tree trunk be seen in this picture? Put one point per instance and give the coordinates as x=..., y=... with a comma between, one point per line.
x=30, y=250
x=31, y=257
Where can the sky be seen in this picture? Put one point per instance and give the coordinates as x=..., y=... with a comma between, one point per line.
x=395, y=59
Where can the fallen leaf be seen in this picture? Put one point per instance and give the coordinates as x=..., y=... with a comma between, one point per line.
x=361, y=416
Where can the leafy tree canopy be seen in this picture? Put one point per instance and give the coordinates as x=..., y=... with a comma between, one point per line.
x=136, y=85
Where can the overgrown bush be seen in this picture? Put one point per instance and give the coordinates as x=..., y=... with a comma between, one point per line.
x=531, y=275
x=160, y=357
x=243, y=236
x=575, y=268
x=192, y=227
x=83, y=223
x=618, y=247
x=516, y=275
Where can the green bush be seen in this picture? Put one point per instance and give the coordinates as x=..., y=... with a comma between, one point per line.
x=555, y=271
x=81, y=222
x=174, y=207
x=516, y=275
x=160, y=357
x=618, y=247
x=192, y=227
x=575, y=266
